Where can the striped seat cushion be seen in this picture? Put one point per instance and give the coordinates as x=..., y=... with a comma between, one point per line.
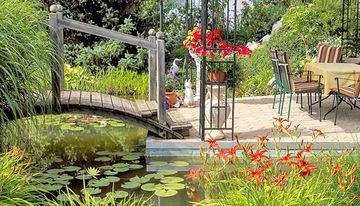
x=328, y=54
x=306, y=87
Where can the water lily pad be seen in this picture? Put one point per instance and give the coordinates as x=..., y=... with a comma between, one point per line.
x=130, y=157
x=175, y=186
x=140, y=180
x=103, y=153
x=150, y=187
x=136, y=166
x=119, y=154
x=51, y=188
x=168, y=180
x=99, y=183
x=103, y=159
x=52, y=175
x=179, y=164
x=158, y=163
x=72, y=168
x=83, y=177
x=64, y=178
x=154, y=175
x=106, y=167
x=110, y=173
x=120, y=194
x=121, y=169
x=165, y=192
x=136, y=161
x=81, y=171
x=76, y=129
x=167, y=172
x=55, y=171
x=121, y=165
x=116, y=124
x=62, y=182
x=111, y=179
x=91, y=191
x=130, y=185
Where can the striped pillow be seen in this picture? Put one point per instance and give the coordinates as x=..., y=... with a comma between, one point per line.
x=328, y=54
x=357, y=89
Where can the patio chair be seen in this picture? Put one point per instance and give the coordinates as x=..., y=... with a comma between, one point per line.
x=329, y=54
x=290, y=87
x=352, y=93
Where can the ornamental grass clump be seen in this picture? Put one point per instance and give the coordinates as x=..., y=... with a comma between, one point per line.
x=248, y=175
x=14, y=181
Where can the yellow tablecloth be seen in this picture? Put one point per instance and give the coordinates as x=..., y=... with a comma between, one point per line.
x=331, y=70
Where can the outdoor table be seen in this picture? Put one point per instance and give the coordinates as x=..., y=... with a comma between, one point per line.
x=330, y=71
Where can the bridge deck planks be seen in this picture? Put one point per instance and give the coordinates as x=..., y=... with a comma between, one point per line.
x=176, y=120
x=107, y=101
x=96, y=100
x=152, y=105
x=85, y=99
x=143, y=108
x=74, y=99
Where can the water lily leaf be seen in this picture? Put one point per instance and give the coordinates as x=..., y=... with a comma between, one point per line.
x=103, y=159
x=116, y=124
x=165, y=193
x=62, y=182
x=106, y=167
x=140, y=180
x=110, y=173
x=119, y=154
x=121, y=169
x=167, y=172
x=154, y=175
x=55, y=171
x=130, y=157
x=99, y=183
x=158, y=163
x=111, y=179
x=51, y=188
x=81, y=171
x=150, y=187
x=167, y=180
x=52, y=175
x=175, y=186
x=103, y=153
x=91, y=191
x=135, y=166
x=136, y=161
x=179, y=164
x=119, y=194
x=130, y=185
x=64, y=178
x=121, y=165
x=72, y=168
x=83, y=177
x=63, y=198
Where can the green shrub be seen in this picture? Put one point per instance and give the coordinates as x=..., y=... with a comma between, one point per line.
x=25, y=53
x=254, y=73
x=14, y=181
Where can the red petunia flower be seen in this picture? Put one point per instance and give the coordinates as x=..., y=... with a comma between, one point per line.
x=258, y=155
x=256, y=175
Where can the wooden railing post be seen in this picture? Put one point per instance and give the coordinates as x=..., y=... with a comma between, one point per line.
x=57, y=38
x=152, y=67
x=160, y=42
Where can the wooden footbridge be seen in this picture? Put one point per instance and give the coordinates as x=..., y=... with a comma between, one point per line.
x=150, y=114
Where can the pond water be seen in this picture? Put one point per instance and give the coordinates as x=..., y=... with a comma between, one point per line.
x=107, y=155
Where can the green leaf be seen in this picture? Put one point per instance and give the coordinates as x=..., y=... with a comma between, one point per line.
x=112, y=179
x=130, y=157
x=106, y=167
x=100, y=183
x=140, y=180
x=179, y=164
x=55, y=171
x=168, y=180
x=110, y=173
x=165, y=193
x=103, y=153
x=150, y=187
x=72, y=168
x=121, y=165
x=121, y=169
x=135, y=166
x=103, y=159
x=175, y=186
x=154, y=175
x=158, y=163
x=167, y=172
x=119, y=194
x=116, y=124
x=130, y=185
x=64, y=178
x=91, y=191
x=83, y=177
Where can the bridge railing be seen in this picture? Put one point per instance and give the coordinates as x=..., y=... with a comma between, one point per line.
x=155, y=44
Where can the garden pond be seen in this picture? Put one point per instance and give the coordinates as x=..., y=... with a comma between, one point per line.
x=102, y=155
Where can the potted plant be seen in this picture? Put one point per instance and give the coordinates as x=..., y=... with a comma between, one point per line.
x=171, y=85
x=222, y=51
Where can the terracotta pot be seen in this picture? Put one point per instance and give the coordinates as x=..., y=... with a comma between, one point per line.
x=172, y=98
x=218, y=76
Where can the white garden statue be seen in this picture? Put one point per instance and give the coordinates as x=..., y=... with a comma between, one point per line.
x=189, y=95
x=174, y=69
x=198, y=71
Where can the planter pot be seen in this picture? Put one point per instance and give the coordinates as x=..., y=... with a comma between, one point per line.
x=172, y=98
x=218, y=76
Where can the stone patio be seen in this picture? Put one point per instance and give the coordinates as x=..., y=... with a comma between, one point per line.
x=254, y=117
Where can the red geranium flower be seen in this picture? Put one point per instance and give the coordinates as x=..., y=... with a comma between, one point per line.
x=256, y=175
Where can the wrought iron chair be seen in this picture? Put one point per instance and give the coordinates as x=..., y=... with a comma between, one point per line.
x=289, y=86
x=343, y=93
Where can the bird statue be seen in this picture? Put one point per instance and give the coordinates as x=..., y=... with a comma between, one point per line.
x=174, y=69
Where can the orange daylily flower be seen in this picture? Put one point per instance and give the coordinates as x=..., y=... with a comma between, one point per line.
x=317, y=133
x=262, y=140
x=308, y=148
x=286, y=158
x=352, y=182
x=337, y=169
x=193, y=174
x=245, y=149
x=258, y=155
x=305, y=167
x=340, y=182
x=232, y=151
x=279, y=181
x=212, y=143
x=256, y=175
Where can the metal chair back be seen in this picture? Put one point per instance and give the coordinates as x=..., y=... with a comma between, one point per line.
x=275, y=63
x=285, y=72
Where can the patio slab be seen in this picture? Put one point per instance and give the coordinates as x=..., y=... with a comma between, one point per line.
x=254, y=117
